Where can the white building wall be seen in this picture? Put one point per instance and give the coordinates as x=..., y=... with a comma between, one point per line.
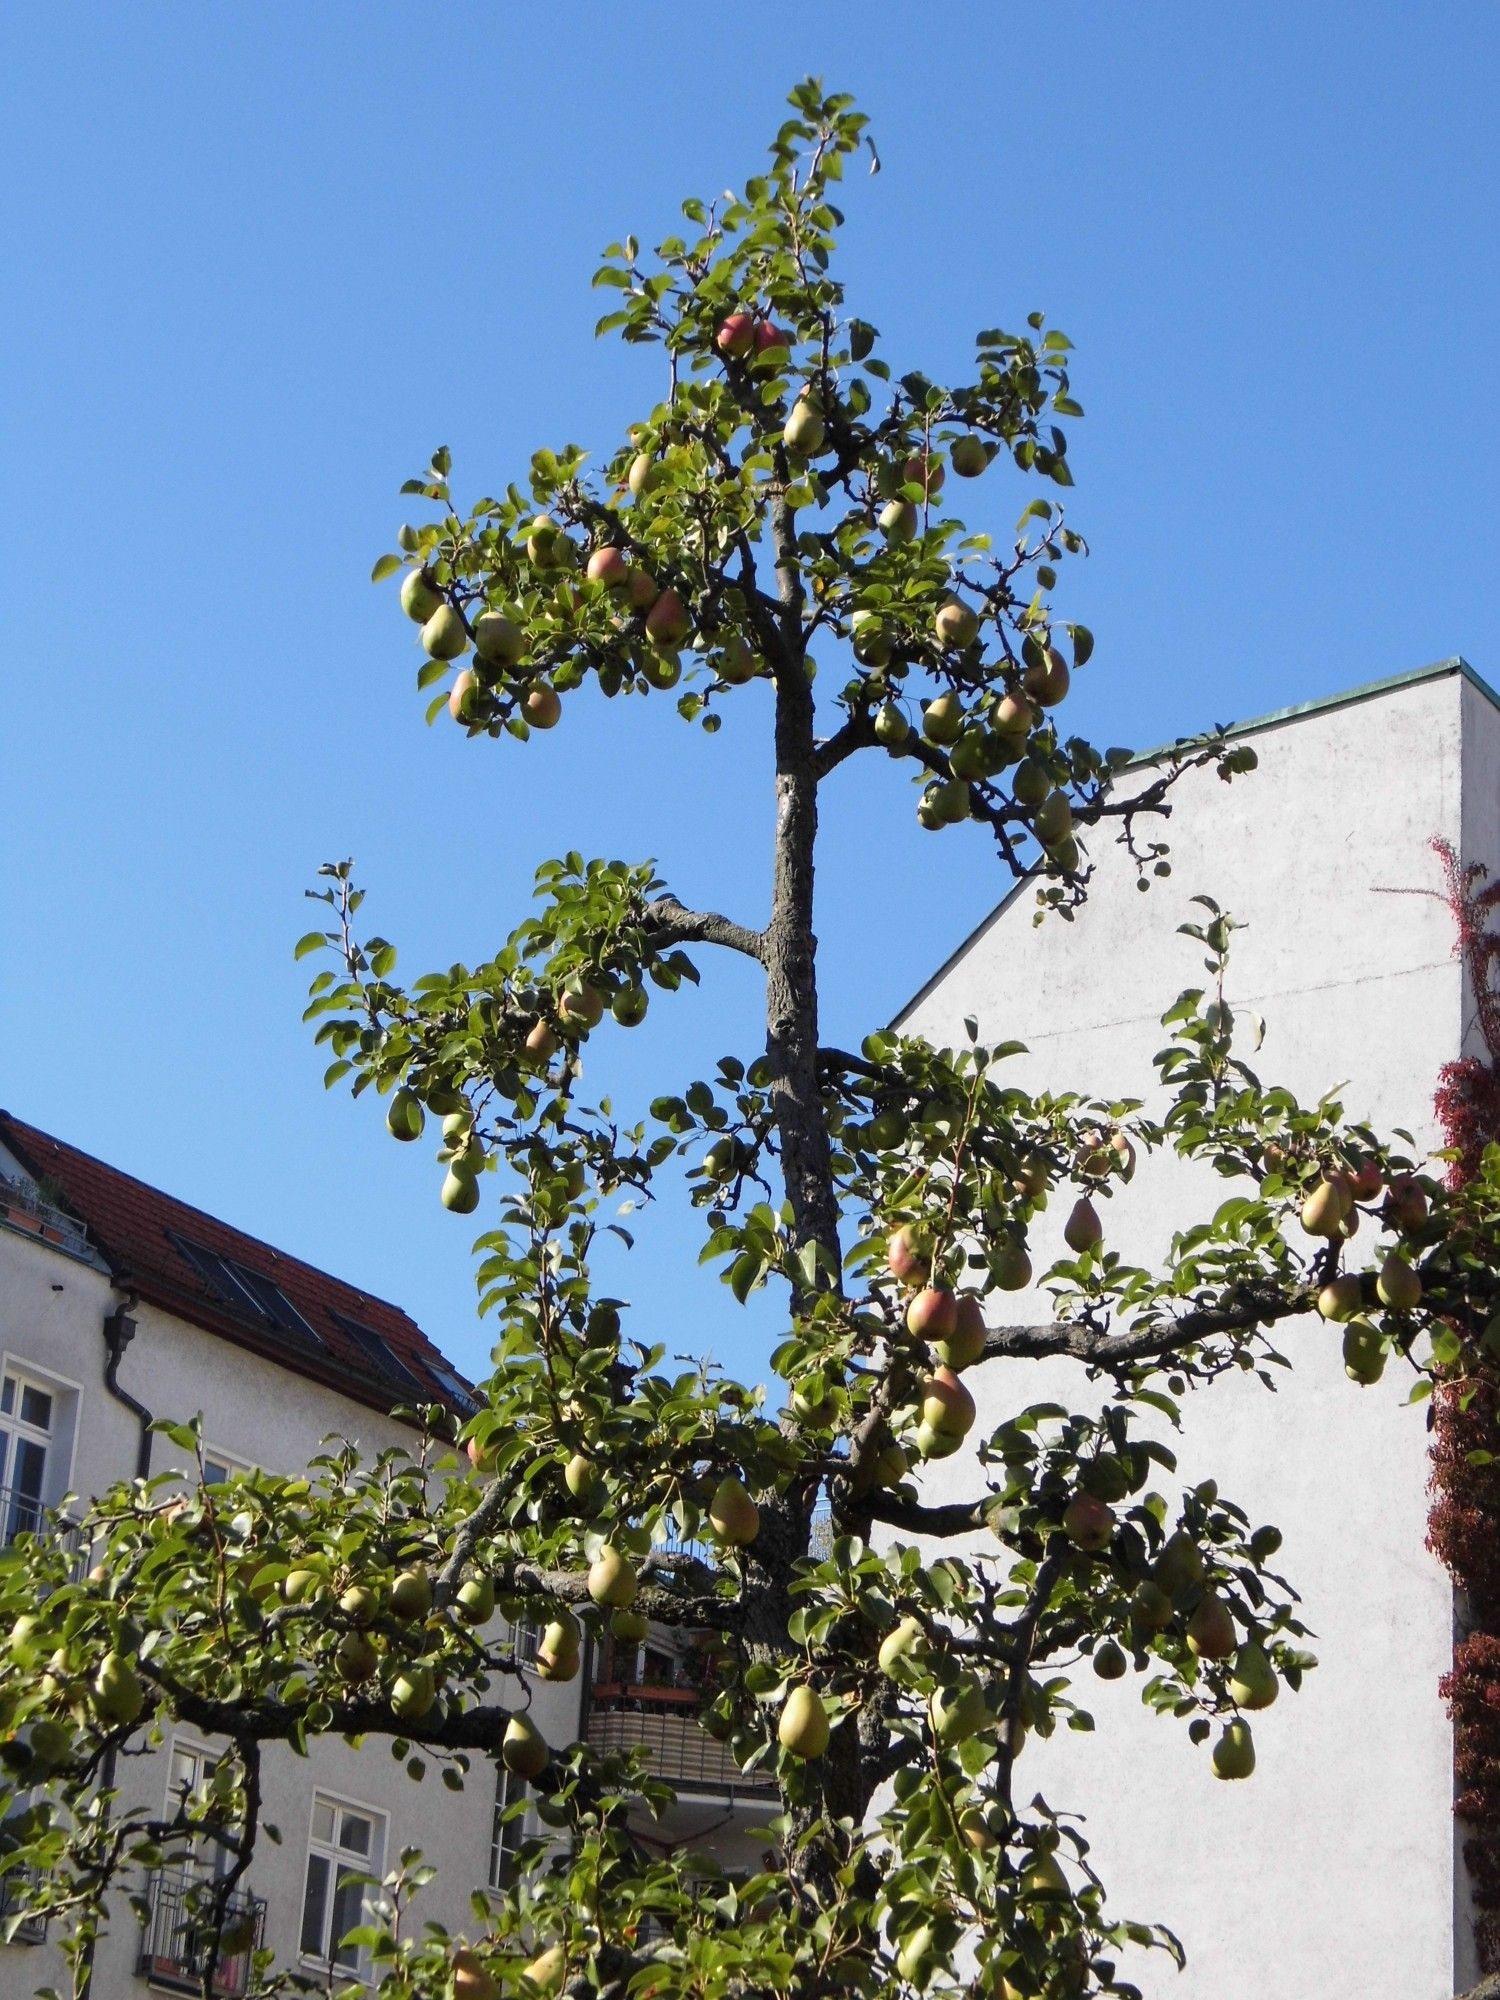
x=1332, y=1871
x=52, y=1308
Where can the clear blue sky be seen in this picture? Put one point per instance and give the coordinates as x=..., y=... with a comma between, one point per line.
x=263, y=259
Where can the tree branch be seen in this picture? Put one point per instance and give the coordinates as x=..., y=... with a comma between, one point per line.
x=1146, y=1342
x=671, y=922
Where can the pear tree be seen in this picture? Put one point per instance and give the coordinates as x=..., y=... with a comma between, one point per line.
x=892, y=1663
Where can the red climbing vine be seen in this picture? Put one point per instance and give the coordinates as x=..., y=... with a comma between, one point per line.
x=1464, y=1522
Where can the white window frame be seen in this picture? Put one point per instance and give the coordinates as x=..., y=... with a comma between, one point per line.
x=214, y=1860
x=60, y=1443
x=506, y=1836
x=372, y=1864
x=234, y=1468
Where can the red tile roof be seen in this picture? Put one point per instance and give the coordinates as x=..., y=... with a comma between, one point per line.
x=137, y=1230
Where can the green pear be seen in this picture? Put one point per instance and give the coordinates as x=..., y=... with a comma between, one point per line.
x=499, y=639
x=899, y=521
x=1252, y=1678
x=806, y=430
x=629, y=1627
x=475, y=1600
x=411, y=1595
x=1043, y=1879
x=736, y=663
x=956, y=625
x=803, y=1727
x=1109, y=1661
x=1364, y=1353
x=444, y=635
x=1083, y=1230
x=404, y=1116
x=1341, y=1297
x=943, y=719
x=905, y=1646
x=413, y=1693
x=472, y=1979
x=957, y=1712
x=360, y=1604
x=890, y=725
x=460, y=1193
x=523, y=1748
x=871, y=638
x=356, y=1657
x=581, y=1476
x=612, y=1580
x=968, y=456
x=419, y=600
x=1180, y=1562
x=733, y=1515
x=118, y=1696
x=1234, y=1753
x=1210, y=1630
x=1398, y=1285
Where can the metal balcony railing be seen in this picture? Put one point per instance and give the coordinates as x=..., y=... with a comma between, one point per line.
x=664, y=1723
x=23, y=1514
x=30, y=1930
x=24, y=1208
x=174, y=1948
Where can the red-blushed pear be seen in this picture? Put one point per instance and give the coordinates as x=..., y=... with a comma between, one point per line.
x=581, y=1005
x=472, y=1979
x=769, y=334
x=499, y=639
x=1013, y=717
x=925, y=469
x=445, y=635
x=642, y=591
x=541, y=1042
x=965, y=1344
x=1010, y=1267
x=667, y=622
x=1366, y=1181
x=907, y=1255
x=482, y=1458
x=806, y=429
x=803, y=1728
x=1210, y=1630
x=932, y=1314
x=736, y=661
x=404, y=1117
x=610, y=567
x=1252, y=1678
x=523, y=1748
x=946, y=1405
x=968, y=456
x=943, y=719
x=419, y=597
x=899, y=521
x=1398, y=1285
x=1234, y=1753
x=1341, y=1297
x=1047, y=680
x=463, y=687
x=736, y=335
x=612, y=1579
x=1406, y=1205
x=1088, y=1523
x=541, y=706
x=956, y=624
x=732, y=1514
x=1083, y=1230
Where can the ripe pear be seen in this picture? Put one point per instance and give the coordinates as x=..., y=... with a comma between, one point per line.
x=1234, y=1753
x=404, y=1117
x=629, y=1627
x=736, y=335
x=1364, y=1353
x=411, y=1595
x=907, y=1255
x=946, y=1405
x=956, y=624
x=943, y=719
x=891, y=726
x=958, y=1712
x=965, y=1344
x=444, y=634
x=1044, y=1880
x=733, y=1515
x=541, y=706
x=803, y=1728
x=1089, y=1523
x=806, y=431
x=1180, y=1562
x=1341, y=1297
x=498, y=639
x=581, y=1005
x=872, y=641
x=1053, y=819
x=1252, y=1678
x=356, y=1657
x=360, y=1604
x=968, y=456
x=118, y=1696
x=643, y=475
x=1151, y=1607
x=541, y=1043
x=736, y=661
x=1013, y=718
x=1047, y=679
x=460, y=696
x=1398, y=1285
x=931, y=1314
x=546, y=1970
x=1326, y=1209
x=904, y=1646
x=925, y=469
x=472, y=1979
x=612, y=1580
x=1406, y=1205
x=475, y=1600
x=460, y=1191
x=523, y=1748
x=1109, y=1661
x=1083, y=1230
x=929, y=1442
x=419, y=599
x=667, y=622
x=1210, y=1630
x=899, y=521
x=413, y=1693
x=558, y=1650
x=1010, y=1267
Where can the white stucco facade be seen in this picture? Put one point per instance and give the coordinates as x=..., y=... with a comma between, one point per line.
x=1333, y=1871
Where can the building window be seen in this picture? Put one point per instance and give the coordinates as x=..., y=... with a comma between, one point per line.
x=219, y=1468
x=188, y=1781
x=461, y=1393
x=247, y=1292
x=346, y=1847
x=509, y=1829
x=386, y=1363
x=26, y=1426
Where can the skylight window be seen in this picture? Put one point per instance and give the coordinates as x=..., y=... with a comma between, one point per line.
x=247, y=1292
x=459, y=1391
x=387, y=1364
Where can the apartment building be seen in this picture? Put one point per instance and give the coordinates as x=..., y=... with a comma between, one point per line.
x=120, y=1304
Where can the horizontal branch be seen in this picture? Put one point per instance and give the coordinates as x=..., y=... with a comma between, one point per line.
x=1152, y=1339
x=669, y=922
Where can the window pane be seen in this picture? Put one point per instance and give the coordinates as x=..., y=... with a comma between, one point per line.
x=215, y=1472
x=348, y=1911
x=30, y=1468
x=184, y=1777
x=355, y=1836
x=322, y=1820
x=7, y=1396
x=36, y=1408
x=314, y=1905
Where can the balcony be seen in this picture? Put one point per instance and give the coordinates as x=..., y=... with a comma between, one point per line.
x=174, y=1948
x=23, y=1514
x=30, y=1930
x=23, y=1208
x=663, y=1721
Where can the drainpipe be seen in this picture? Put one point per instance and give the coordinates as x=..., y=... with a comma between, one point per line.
x=119, y=1331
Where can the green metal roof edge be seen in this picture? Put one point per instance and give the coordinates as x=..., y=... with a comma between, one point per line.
x=1276, y=719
